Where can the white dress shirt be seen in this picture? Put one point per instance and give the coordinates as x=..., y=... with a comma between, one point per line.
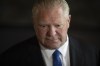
x=64, y=49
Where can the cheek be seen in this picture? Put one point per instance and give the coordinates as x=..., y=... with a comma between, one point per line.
x=40, y=33
x=63, y=32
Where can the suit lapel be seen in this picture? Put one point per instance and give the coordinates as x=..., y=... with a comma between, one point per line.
x=76, y=56
x=35, y=58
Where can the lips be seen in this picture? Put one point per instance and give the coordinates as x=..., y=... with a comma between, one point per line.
x=52, y=40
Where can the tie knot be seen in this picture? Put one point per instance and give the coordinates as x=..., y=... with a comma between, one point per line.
x=56, y=53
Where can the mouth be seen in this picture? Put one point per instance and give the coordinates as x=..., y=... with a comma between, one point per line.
x=52, y=40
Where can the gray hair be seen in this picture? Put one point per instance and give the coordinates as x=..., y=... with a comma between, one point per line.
x=38, y=4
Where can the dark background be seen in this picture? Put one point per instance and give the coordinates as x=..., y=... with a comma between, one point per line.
x=16, y=21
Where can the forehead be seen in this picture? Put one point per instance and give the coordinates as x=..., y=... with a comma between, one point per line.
x=52, y=14
x=53, y=11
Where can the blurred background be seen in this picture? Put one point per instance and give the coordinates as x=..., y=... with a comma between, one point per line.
x=16, y=21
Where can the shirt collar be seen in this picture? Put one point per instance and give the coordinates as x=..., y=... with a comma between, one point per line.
x=62, y=49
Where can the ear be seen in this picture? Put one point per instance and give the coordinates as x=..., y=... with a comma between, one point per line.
x=69, y=18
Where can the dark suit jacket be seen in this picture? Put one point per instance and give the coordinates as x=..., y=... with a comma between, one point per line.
x=27, y=53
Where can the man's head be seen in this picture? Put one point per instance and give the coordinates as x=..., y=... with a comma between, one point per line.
x=51, y=22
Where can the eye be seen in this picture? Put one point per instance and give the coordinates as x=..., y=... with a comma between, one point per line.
x=58, y=26
x=43, y=26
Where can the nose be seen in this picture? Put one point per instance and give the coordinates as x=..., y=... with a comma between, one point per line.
x=51, y=31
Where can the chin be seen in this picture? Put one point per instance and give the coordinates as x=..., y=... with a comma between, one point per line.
x=53, y=46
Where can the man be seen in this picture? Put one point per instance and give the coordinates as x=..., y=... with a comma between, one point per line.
x=51, y=21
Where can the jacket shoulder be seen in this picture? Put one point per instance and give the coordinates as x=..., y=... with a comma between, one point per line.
x=21, y=52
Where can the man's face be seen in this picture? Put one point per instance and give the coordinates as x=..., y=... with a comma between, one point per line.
x=51, y=27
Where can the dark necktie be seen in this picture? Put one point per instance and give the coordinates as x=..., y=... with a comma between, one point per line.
x=56, y=58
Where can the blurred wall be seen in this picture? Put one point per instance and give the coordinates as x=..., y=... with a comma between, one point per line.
x=16, y=21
